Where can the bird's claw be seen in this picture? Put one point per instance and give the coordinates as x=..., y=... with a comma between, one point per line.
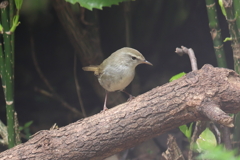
x=130, y=98
x=104, y=109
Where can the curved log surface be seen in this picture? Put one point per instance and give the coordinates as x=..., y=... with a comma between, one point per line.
x=208, y=93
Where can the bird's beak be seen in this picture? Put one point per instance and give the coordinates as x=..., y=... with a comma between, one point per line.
x=146, y=62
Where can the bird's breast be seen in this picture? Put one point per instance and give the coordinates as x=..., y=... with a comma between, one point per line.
x=115, y=78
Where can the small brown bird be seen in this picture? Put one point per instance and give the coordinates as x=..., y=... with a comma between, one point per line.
x=117, y=71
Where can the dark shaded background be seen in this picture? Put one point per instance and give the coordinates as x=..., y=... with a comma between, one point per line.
x=157, y=28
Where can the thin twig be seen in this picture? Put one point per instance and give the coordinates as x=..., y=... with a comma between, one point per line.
x=43, y=92
x=82, y=17
x=200, y=126
x=65, y=104
x=77, y=86
x=190, y=53
x=226, y=132
x=38, y=68
x=216, y=131
x=173, y=151
x=53, y=94
x=226, y=137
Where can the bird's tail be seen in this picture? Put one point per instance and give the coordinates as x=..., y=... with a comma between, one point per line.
x=94, y=69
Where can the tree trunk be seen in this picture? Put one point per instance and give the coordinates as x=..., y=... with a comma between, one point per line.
x=209, y=93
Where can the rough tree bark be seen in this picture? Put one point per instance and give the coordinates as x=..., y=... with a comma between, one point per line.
x=209, y=93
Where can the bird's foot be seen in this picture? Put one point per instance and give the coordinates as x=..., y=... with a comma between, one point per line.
x=104, y=109
x=130, y=98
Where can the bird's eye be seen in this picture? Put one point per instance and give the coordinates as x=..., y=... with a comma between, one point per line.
x=133, y=58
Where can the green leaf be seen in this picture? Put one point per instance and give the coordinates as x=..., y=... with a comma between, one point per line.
x=1, y=29
x=28, y=124
x=18, y=4
x=189, y=131
x=227, y=39
x=98, y=4
x=15, y=23
x=186, y=131
x=183, y=128
x=20, y=128
x=15, y=20
x=177, y=76
x=26, y=130
x=206, y=140
x=222, y=7
x=218, y=153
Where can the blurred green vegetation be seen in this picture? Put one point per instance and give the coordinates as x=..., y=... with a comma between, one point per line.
x=157, y=28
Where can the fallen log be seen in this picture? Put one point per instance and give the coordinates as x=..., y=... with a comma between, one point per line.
x=207, y=94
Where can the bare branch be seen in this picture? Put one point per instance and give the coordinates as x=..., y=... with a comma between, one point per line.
x=173, y=151
x=148, y=115
x=190, y=53
x=77, y=86
x=56, y=97
x=46, y=93
x=212, y=110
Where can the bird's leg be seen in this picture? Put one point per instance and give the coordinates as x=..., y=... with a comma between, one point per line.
x=105, y=102
x=130, y=96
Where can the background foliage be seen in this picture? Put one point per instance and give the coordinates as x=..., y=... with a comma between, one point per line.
x=157, y=28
